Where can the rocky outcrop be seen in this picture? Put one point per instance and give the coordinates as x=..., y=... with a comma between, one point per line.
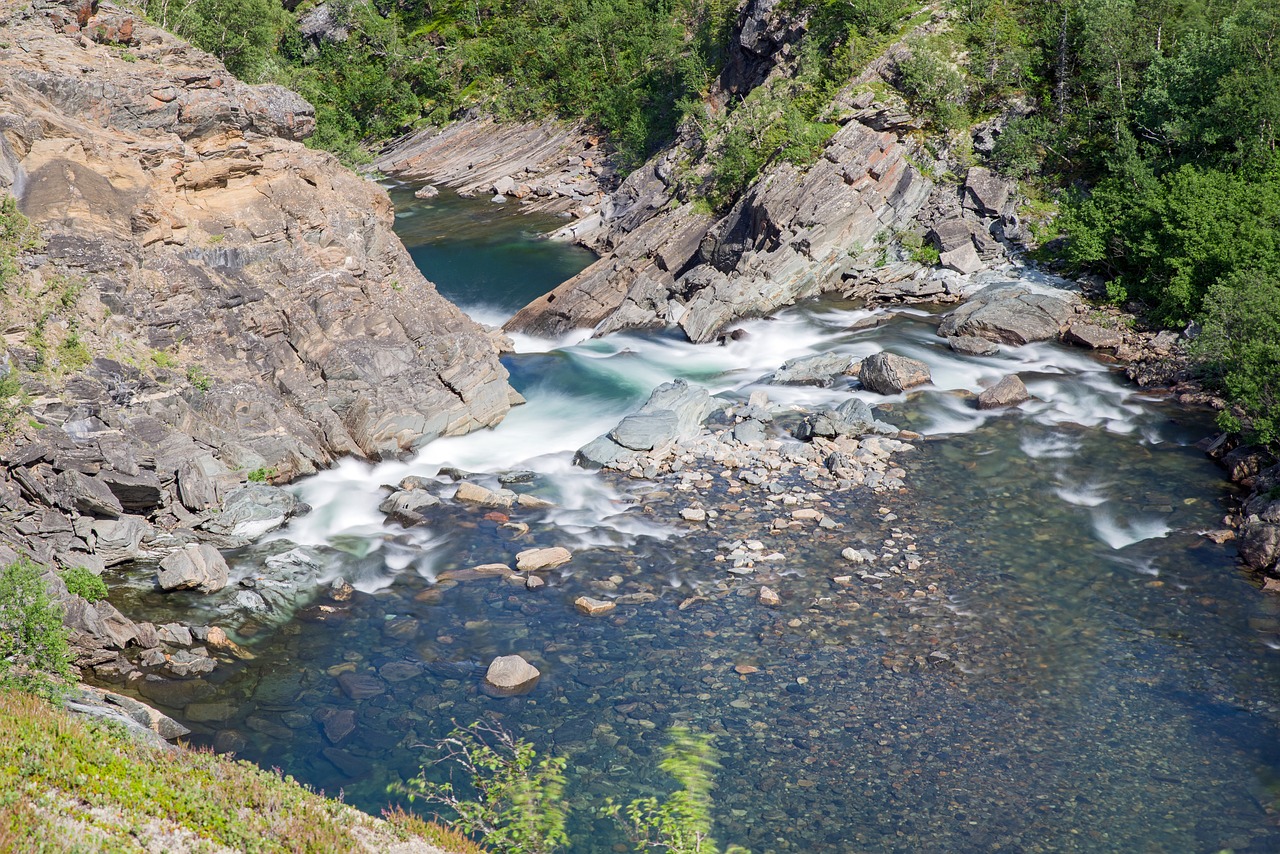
x=674, y=411
x=548, y=165
x=788, y=237
x=1009, y=313
x=889, y=373
x=251, y=307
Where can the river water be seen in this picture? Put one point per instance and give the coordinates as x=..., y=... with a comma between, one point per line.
x=1071, y=666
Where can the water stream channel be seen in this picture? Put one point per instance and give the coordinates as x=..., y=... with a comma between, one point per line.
x=1072, y=667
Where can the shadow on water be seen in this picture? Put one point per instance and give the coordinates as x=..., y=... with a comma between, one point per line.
x=1070, y=667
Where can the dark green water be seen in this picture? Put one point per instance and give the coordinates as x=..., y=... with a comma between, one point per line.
x=1070, y=668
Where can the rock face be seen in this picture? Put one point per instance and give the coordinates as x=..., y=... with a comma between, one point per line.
x=509, y=675
x=1009, y=313
x=188, y=203
x=889, y=373
x=260, y=311
x=788, y=237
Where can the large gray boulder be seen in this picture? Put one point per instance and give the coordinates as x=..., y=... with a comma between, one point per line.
x=1009, y=314
x=821, y=369
x=986, y=193
x=889, y=373
x=197, y=566
x=674, y=411
x=1010, y=391
x=852, y=419
x=250, y=512
x=119, y=541
x=645, y=431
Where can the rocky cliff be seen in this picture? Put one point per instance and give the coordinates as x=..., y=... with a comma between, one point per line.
x=208, y=298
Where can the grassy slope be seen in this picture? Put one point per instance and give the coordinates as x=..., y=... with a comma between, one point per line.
x=71, y=784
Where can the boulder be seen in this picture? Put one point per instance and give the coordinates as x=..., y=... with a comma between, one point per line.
x=986, y=193
x=510, y=675
x=251, y=511
x=963, y=259
x=821, y=369
x=1260, y=540
x=534, y=560
x=361, y=686
x=971, y=345
x=408, y=501
x=197, y=566
x=137, y=493
x=769, y=597
x=119, y=541
x=852, y=418
x=1091, y=336
x=951, y=234
x=88, y=496
x=1009, y=314
x=1010, y=391
x=888, y=373
x=645, y=431
x=674, y=410
x=474, y=493
x=428, y=192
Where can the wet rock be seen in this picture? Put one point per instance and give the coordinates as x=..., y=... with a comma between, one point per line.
x=427, y=192
x=361, y=686
x=822, y=369
x=1091, y=336
x=337, y=724
x=250, y=512
x=674, y=411
x=852, y=418
x=888, y=373
x=119, y=541
x=1009, y=313
x=399, y=671
x=510, y=675
x=474, y=493
x=408, y=501
x=693, y=514
x=174, y=693
x=963, y=259
x=535, y=560
x=194, y=567
x=971, y=345
x=769, y=597
x=1010, y=391
x=645, y=431
x=348, y=763
x=210, y=712
x=593, y=607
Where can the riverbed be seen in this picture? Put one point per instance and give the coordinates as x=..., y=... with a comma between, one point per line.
x=1067, y=664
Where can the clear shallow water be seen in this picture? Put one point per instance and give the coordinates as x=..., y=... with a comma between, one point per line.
x=1071, y=667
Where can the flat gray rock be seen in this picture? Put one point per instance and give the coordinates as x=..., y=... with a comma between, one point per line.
x=1010, y=391
x=1009, y=314
x=889, y=373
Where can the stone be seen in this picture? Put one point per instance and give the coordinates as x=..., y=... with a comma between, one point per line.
x=645, y=431
x=536, y=560
x=1092, y=336
x=971, y=345
x=119, y=541
x=693, y=514
x=348, y=763
x=769, y=597
x=361, y=686
x=474, y=493
x=210, y=712
x=533, y=582
x=510, y=675
x=399, y=671
x=174, y=693
x=89, y=495
x=888, y=373
x=1010, y=391
x=986, y=193
x=408, y=501
x=427, y=192
x=137, y=493
x=963, y=259
x=821, y=369
x=593, y=607
x=853, y=418
x=1008, y=313
x=197, y=566
x=807, y=514
x=251, y=511
x=338, y=725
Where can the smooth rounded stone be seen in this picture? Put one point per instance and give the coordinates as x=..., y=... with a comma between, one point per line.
x=474, y=493
x=251, y=511
x=807, y=514
x=1009, y=313
x=972, y=345
x=361, y=686
x=408, y=501
x=749, y=432
x=693, y=514
x=533, y=582
x=821, y=369
x=399, y=671
x=197, y=566
x=1010, y=391
x=509, y=676
x=594, y=607
x=535, y=560
x=889, y=373
x=646, y=431
x=769, y=597
x=426, y=192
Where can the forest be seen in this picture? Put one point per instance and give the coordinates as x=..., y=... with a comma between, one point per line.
x=1150, y=126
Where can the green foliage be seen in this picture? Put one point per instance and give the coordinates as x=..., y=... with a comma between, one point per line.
x=680, y=823
x=935, y=86
x=10, y=402
x=241, y=33
x=199, y=378
x=17, y=235
x=518, y=803
x=163, y=359
x=34, y=655
x=72, y=353
x=1239, y=351
x=262, y=475
x=83, y=583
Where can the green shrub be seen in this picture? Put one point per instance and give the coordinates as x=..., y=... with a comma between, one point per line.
x=199, y=378
x=34, y=655
x=935, y=86
x=17, y=235
x=84, y=583
x=1239, y=351
x=519, y=799
x=262, y=475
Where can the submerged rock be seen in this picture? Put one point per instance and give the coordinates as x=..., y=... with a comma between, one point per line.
x=593, y=607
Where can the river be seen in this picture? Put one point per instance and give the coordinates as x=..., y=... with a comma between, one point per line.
x=1071, y=667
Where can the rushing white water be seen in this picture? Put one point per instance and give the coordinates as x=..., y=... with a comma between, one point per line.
x=578, y=387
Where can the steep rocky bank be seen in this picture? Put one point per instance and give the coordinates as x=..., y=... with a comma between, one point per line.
x=210, y=303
